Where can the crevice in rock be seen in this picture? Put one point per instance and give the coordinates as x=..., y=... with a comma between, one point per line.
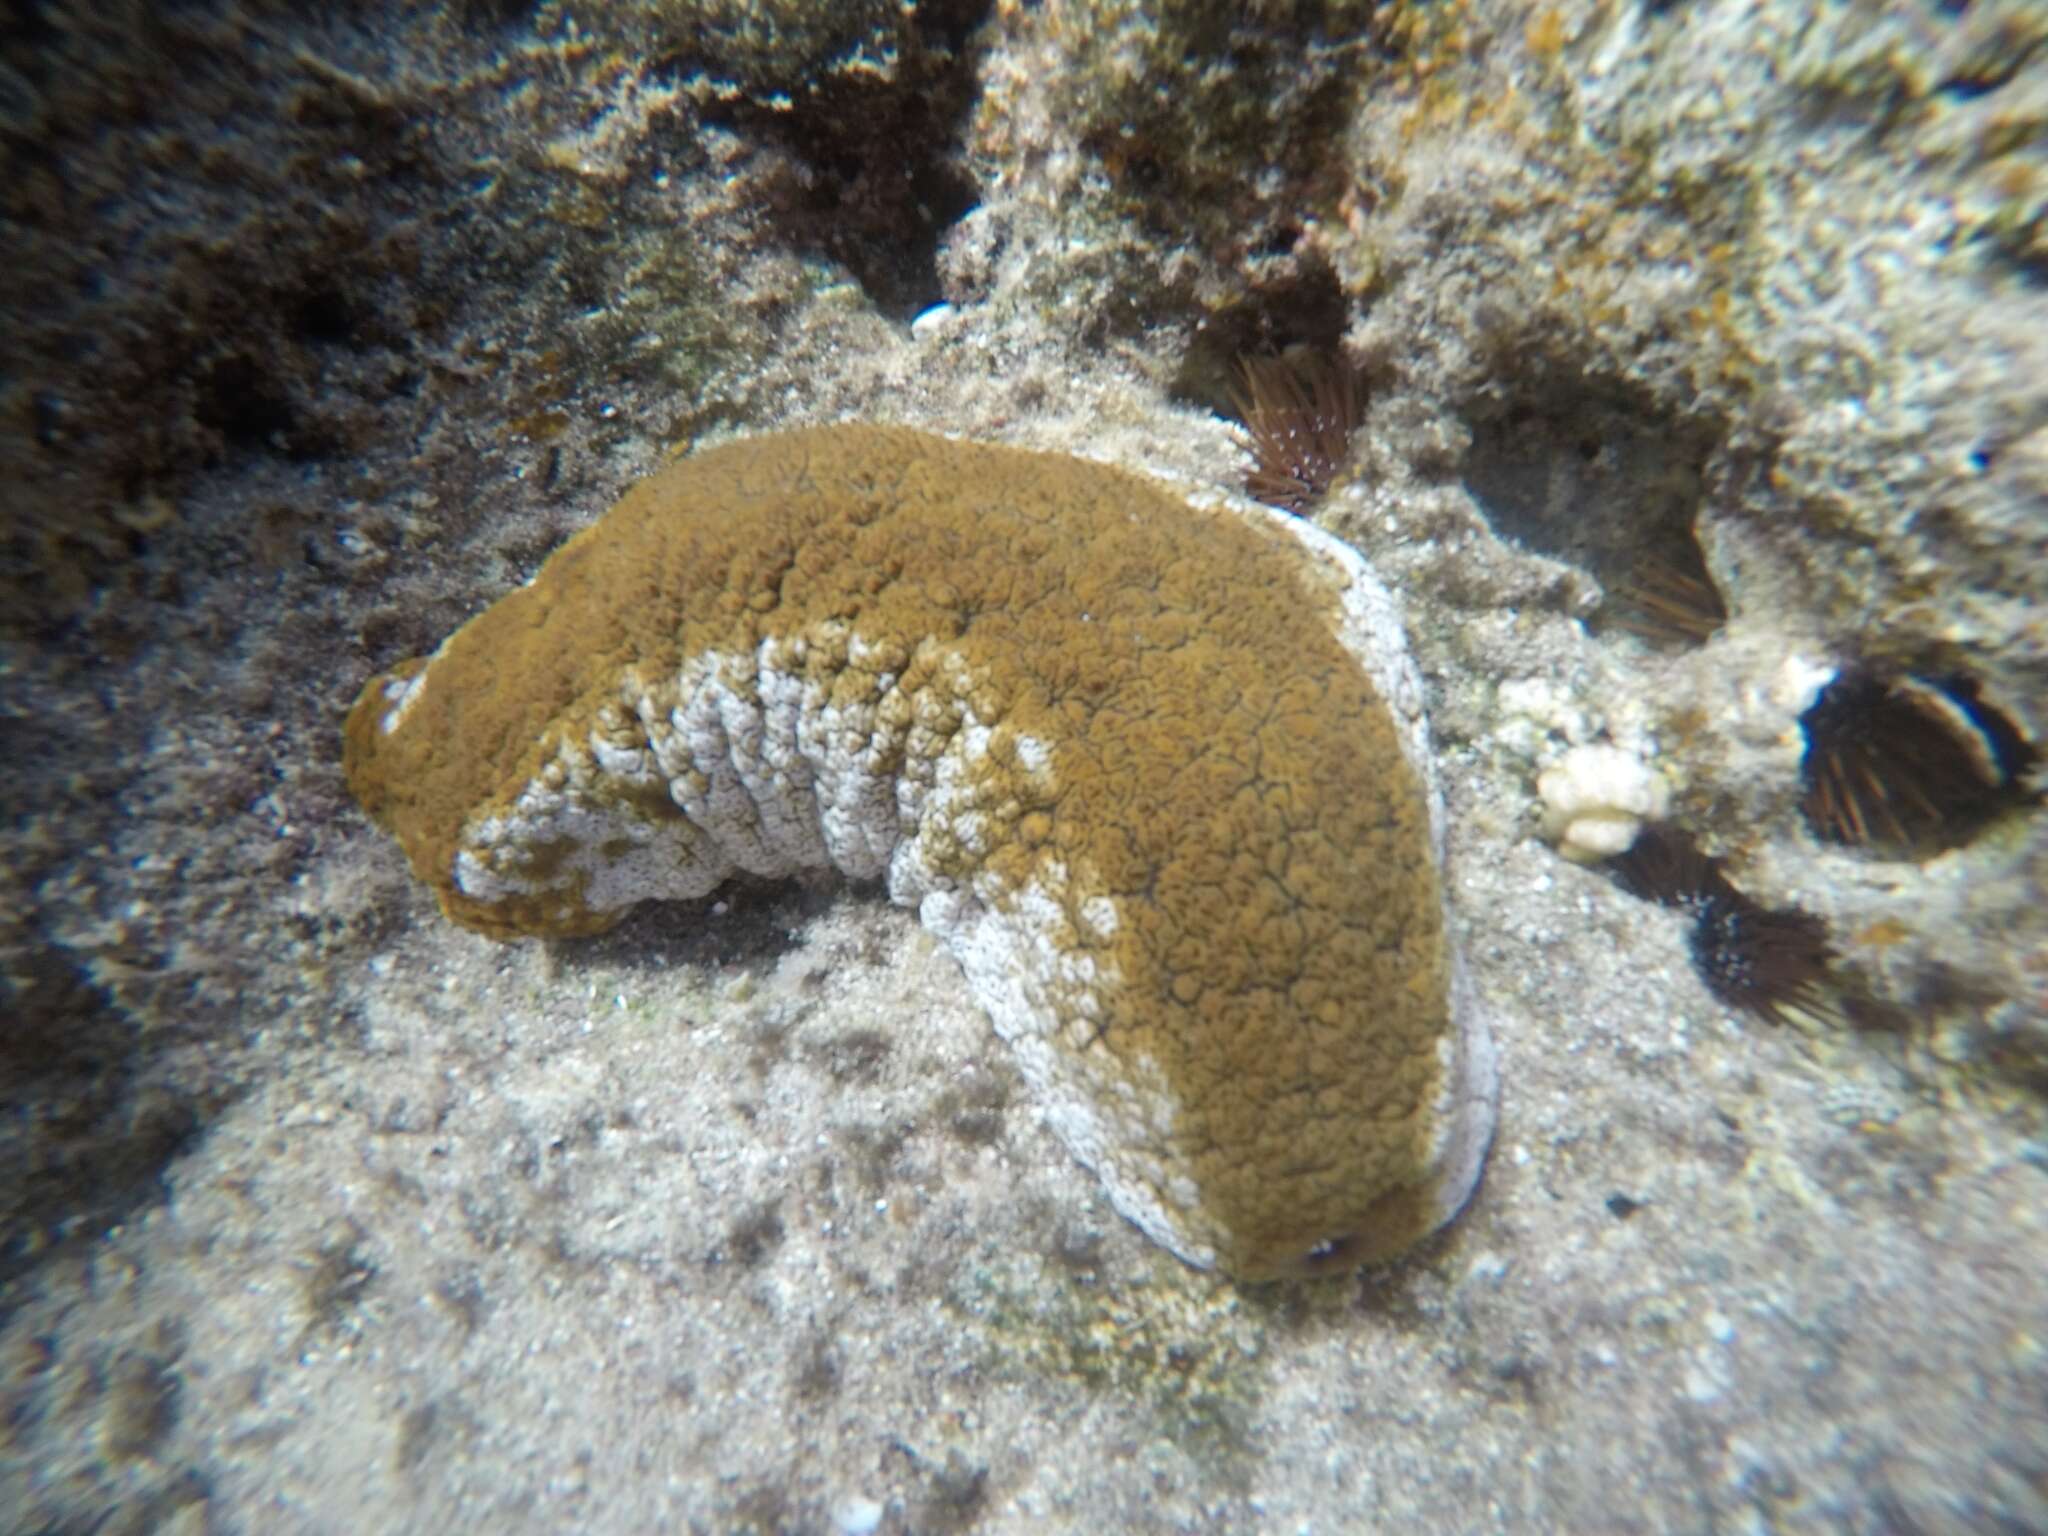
x=1587, y=473
x=873, y=177
x=1304, y=312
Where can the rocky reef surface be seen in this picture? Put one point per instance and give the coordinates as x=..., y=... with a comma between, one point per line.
x=1698, y=366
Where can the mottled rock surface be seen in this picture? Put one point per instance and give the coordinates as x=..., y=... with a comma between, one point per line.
x=323, y=1215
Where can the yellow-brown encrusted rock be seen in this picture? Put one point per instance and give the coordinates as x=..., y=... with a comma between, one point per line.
x=1155, y=773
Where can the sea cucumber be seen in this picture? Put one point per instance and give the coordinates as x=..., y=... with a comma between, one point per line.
x=1154, y=770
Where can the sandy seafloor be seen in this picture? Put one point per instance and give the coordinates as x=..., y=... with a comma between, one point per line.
x=323, y=1215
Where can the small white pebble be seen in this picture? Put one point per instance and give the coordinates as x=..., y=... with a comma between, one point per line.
x=1488, y=1267
x=857, y=1516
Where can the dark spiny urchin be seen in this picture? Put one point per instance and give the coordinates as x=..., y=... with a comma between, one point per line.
x=1300, y=410
x=1771, y=961
x=1666, y=866
x=1907, y=763
x=1670, y=605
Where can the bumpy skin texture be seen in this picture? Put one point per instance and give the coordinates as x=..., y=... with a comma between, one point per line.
x=1131, y=760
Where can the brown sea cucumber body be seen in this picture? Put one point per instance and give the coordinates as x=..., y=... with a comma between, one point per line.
x=1154, y=772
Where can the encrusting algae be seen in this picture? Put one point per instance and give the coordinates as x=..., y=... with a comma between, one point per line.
x=1155, y=774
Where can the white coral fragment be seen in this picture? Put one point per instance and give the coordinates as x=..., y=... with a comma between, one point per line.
x=1596, y=798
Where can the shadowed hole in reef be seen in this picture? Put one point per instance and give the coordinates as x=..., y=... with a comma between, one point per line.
x=1303, y=314
x=875, y=177
x=1590, y=475
x=243, y=402
x=326, y=316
